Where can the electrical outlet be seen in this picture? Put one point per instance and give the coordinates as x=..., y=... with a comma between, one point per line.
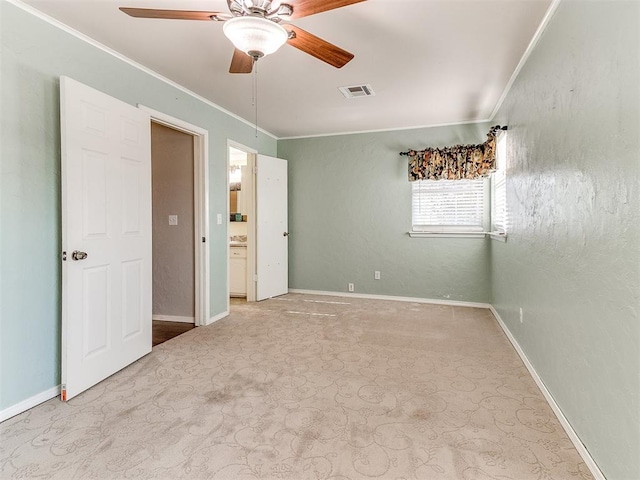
x=173, y=219
x=219, y=219
x=376, y=275
x=521, y=319
x=351, y=288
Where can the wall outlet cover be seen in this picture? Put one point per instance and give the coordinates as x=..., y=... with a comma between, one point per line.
x=173, y=219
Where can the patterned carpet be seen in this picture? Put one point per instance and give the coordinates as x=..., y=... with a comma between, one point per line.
x=307, y=387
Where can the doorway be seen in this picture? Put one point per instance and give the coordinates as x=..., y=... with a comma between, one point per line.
x=258, y=239
x=241, y=223
x=173, y=232
x=180, y=193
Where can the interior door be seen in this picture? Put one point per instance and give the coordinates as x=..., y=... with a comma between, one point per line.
x=272, y=266
x=106, y=235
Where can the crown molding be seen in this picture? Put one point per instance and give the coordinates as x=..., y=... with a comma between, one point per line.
x=525, y=56
x=85, y=38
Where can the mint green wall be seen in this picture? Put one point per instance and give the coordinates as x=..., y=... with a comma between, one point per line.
x=572, y=260
x=350, y=211
x=34, y=54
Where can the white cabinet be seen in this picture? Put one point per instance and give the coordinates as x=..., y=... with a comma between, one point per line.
x=238, y=272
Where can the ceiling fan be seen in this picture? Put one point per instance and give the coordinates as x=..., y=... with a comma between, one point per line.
x=255, y=28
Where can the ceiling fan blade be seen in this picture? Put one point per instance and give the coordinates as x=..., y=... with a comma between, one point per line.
x=169, y=14
x=319, y=48
x=241, y=62
x=304, y=8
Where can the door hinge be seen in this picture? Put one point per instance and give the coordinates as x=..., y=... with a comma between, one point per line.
x=255, y=278
x=64, y=256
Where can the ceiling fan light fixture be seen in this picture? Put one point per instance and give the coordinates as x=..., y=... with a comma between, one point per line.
x=255, y=36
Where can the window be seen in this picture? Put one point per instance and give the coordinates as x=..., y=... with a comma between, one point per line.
x=463, y=207
x=499, y=189
x=448, y=207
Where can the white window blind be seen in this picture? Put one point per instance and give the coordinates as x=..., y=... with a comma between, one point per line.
x=499, y=187
x=499, y=202
x=447, y=205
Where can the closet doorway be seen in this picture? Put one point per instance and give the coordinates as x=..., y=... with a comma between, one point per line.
x=179, y=227
x=172, y=170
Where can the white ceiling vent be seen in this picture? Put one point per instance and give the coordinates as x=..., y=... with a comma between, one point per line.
x=354, y=91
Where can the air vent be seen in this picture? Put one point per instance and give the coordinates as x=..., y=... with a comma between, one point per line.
x=354, y=91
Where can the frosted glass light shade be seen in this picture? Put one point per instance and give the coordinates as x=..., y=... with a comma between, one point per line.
x=255, y=36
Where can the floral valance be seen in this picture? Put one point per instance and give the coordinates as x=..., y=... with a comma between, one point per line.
x=457, y=162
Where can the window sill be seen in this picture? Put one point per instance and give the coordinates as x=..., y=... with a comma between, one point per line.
x=447, y=234
x=500, y=237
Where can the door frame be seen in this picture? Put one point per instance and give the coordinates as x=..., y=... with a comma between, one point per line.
x=202, y=238
x=251, y=221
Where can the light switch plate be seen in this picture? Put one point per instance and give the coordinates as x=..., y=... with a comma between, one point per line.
x=219, y=219
x=173, y=219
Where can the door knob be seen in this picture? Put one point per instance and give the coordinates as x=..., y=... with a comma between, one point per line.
x=286, y=234
x=77, y=255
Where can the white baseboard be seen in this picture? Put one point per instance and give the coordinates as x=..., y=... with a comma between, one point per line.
x=453, y=303
x=171, y=318
x=31, y=402
x=215, y=318
x=573, y=436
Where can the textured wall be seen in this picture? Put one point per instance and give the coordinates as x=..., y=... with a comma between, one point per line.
x=173, y=245
x=572, y=260
x=34, y=54
x=350, y=211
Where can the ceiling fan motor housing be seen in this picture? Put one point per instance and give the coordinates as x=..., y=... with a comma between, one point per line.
x=261, y=8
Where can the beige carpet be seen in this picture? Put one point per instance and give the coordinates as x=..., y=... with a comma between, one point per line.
x=307, y=387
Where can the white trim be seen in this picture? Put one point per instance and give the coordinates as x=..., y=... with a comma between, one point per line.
x=380, y=130
x=500, y=236
x=240, y=146
x=200, y=203
x=525, y=56
x=452, y=303
x=174, y=122
x=534, y=41
x=173, y=318
x=573, y=436
x=447, y=234
x=538, y=34
x=252, y=230
x=215, y=318
x=523, y=60
x=66, y=28
x=30, y=402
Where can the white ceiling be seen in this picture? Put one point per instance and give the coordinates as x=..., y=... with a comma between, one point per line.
x=429, y=62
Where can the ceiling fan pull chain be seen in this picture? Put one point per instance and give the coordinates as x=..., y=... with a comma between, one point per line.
x=255, y=92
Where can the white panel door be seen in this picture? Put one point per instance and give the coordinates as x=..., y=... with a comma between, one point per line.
x=106, y=235
x=272, y=245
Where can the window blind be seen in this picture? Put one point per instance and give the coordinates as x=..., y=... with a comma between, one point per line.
x=499, y=202
x=499, y=187
x=447, y=205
